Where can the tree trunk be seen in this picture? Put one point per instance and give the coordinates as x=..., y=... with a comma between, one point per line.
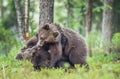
x=107, y=24
x=89, y=23
x=88, y=18
x=26, y=20
x=68, y=13
x=46, y=12
x=19, y=19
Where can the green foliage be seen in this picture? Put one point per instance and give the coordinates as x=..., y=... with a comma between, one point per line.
x=94, y=42
x=7, y=40
x=60, y=10
x=76, y=17
x=8, y=18
x=116, y=42
x=107, y=7
x=33, y=27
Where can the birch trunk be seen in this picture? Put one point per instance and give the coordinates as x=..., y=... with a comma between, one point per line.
x=26, y=20
x=19, y=18
x=107, y=24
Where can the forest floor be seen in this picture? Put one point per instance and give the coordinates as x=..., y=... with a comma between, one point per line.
x=101, y=67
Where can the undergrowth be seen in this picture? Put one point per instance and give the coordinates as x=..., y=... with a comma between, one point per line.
x=101, y=67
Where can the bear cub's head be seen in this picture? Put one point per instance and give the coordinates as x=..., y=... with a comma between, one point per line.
x=48, y=34
x=24, y=54
x=38, y=57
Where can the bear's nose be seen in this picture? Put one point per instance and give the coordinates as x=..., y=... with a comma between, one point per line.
x=40, y=43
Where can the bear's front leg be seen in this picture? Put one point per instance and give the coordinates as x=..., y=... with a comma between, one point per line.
x=55, y=51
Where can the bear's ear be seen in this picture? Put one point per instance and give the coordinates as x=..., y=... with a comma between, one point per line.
x=46, y=27
x=55, y=34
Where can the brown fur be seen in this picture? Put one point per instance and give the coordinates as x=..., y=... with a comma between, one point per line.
x=75, y=49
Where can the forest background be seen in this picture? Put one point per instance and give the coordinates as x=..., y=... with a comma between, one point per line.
x=96, y=20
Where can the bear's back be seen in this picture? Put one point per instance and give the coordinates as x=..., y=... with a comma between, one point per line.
x=74, y=41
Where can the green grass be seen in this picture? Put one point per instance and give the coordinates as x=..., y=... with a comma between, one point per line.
x=101, y=67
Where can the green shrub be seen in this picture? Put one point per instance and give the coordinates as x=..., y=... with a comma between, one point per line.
x=116, y=42
x=94, y=42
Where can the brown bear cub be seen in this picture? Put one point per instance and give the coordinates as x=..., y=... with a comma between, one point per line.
x=75, y=49
x=38, y=57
